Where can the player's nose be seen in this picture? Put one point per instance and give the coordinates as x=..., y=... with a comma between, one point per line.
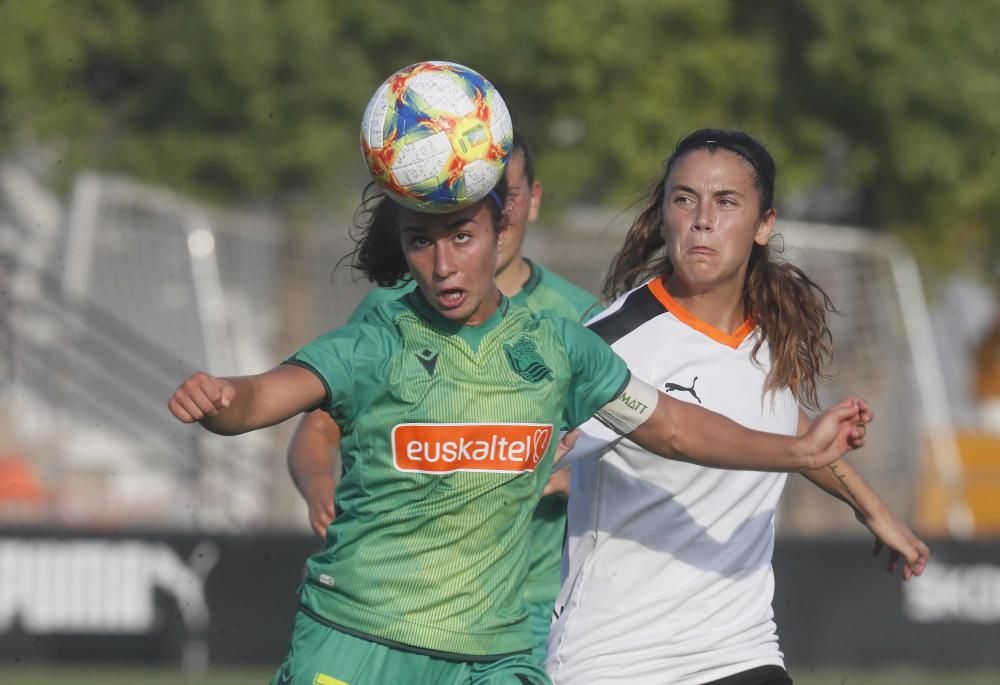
x=444, y=261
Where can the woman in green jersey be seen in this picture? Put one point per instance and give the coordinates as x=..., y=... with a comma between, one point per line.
x=312, y=452
x=449, y=401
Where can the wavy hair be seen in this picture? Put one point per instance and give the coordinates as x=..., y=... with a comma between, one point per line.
x=789, y=308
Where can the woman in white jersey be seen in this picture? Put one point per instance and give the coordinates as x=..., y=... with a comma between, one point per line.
x=669, y=563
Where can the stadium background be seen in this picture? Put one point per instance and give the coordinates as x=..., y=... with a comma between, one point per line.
x=176, y=188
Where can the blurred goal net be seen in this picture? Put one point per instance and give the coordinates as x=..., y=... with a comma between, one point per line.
x=884, y=351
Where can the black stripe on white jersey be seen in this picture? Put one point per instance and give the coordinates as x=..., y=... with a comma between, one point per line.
x=639, y=307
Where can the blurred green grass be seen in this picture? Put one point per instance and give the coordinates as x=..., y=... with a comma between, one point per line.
x=130, y=676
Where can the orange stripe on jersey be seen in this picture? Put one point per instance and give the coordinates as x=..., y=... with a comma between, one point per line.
x=449, y=447
x=733, y=340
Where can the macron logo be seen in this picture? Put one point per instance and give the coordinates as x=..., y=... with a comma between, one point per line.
x=443, y=448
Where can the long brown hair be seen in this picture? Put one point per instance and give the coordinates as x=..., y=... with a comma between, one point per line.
x=789, y=308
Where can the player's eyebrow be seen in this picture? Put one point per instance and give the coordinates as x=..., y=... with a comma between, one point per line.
x=458, y=223
x=679, y=187
x=453, y=225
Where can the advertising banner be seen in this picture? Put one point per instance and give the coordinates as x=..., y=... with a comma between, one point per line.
x=195, y=599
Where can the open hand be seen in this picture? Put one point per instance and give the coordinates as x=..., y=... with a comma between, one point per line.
x=892, y=534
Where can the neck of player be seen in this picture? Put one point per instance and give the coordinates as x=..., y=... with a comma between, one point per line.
x=512, y=277
x=720, y=305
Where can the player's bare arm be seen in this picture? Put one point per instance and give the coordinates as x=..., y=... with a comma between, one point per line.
x=843, y=481
x=313, y=462
x=680, y=430
x=229, y=406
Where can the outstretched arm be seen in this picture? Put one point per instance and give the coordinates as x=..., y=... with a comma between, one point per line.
x=841, y=480
x=238, y=404
x=679, y=430
x=314, y=462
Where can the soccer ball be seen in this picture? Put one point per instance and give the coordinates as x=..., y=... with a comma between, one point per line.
x=436, y=136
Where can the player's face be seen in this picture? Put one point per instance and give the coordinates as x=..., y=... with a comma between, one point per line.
x=523, y=201
x=453, y=257
x=711, y=219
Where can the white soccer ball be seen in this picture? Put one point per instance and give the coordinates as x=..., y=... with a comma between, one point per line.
x=436, y=136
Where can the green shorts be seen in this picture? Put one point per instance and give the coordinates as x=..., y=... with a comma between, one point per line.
x=322, y=655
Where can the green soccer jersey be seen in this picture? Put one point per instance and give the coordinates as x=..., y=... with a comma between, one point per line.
x=447, y=439
x=543, y=291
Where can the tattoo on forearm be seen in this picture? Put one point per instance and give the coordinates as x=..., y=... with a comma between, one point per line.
x=839, y=475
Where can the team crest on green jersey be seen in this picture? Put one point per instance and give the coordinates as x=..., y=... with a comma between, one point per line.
x=526, y=361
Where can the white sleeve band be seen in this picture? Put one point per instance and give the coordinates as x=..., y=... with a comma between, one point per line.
x=631, y=408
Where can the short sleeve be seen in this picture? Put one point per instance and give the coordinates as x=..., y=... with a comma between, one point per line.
x=346, y=360
x=598, y=373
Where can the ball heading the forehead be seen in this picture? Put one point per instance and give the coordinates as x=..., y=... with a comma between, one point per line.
x=436, y=136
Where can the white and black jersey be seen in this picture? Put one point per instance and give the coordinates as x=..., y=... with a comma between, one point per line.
x=667, y=574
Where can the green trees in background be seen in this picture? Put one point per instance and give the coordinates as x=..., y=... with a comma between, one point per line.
x=232, y=99
x=889, y=111
x=912, y=89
